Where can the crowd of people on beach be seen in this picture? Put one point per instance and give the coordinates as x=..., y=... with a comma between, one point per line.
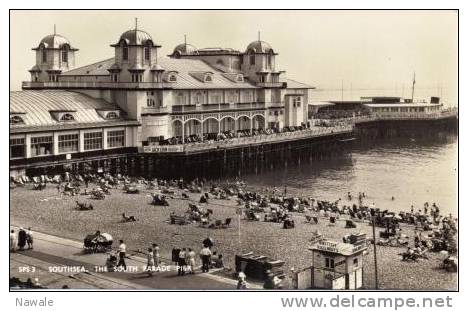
x=276, y=205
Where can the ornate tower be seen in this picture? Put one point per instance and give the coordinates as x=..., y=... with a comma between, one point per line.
x=54, y=55
x=259, y=61
x=135, y=54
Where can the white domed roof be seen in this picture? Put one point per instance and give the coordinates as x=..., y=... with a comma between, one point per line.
x=259, y=47
x=136, y=37
x=55, y=41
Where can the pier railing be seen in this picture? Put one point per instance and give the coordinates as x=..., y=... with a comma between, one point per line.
x=446, y=113
x=250, y=140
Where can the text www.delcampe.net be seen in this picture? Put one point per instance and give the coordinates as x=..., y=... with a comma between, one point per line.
x=353, y=301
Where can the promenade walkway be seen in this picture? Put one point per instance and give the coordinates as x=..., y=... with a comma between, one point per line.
x=57, y=262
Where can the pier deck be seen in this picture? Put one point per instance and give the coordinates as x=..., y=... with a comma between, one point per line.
x=445, y=114
x=249, y=141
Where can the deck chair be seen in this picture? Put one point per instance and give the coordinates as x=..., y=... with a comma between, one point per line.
x=227, y=222
x=350, y=224
x=315, y=219
x=308, y=218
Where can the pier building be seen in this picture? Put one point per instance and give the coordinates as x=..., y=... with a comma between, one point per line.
x=190, y=94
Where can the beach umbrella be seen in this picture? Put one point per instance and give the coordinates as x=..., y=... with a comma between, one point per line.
x=208, y=242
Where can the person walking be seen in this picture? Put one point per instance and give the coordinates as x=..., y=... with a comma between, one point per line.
x=12, y=241
x=205, y=255
x=181, y=264
x=21, y=239
x=122, y=252
x=191, y=260
x=29, y=238
x=156, y=255
x=150, y=261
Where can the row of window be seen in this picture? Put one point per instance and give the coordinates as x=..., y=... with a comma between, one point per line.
x=125, y=53
x=276, y=112
x=297, y=101
x=252, y=60
x=400, y=109
x=66, y=117
x=215, y=98
x=64, y=55
x=137, y=78
x=67, y=143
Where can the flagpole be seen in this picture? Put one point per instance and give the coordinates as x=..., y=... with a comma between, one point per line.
x=414, y=82
x=376, y=279
x=239, y=220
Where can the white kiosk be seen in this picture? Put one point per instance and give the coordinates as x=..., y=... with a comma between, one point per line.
x=338, y=265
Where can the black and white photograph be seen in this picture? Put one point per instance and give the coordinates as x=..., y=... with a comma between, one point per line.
x=224, y=150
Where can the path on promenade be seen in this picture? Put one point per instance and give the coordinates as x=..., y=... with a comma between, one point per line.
x=67, y=261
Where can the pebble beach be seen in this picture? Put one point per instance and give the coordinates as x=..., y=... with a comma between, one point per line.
x=53, y=213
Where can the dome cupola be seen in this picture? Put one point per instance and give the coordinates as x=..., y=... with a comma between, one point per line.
x=135, y=37
x=135, y=55
x=259, y=47
x=54, y=55
x=184, y=49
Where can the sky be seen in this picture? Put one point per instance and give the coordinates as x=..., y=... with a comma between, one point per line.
x=353, y=50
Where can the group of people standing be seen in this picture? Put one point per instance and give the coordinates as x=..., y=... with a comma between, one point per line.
x=186, y=261
x=153, y=258
x=19, y=242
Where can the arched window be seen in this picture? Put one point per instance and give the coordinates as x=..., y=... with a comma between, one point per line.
x=240, y=78
x=172, y=78
x=112, y=115
x=16, y=120
x=125, y=53
x=252, y=58
x=44, y=55
x=208, y=78
x=67, y=117
x=65, y=54
x=147, y=53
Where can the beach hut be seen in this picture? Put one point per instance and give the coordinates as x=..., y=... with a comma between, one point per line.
x=335, y=265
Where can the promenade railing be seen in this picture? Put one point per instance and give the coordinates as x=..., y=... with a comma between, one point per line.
x=249, y=140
